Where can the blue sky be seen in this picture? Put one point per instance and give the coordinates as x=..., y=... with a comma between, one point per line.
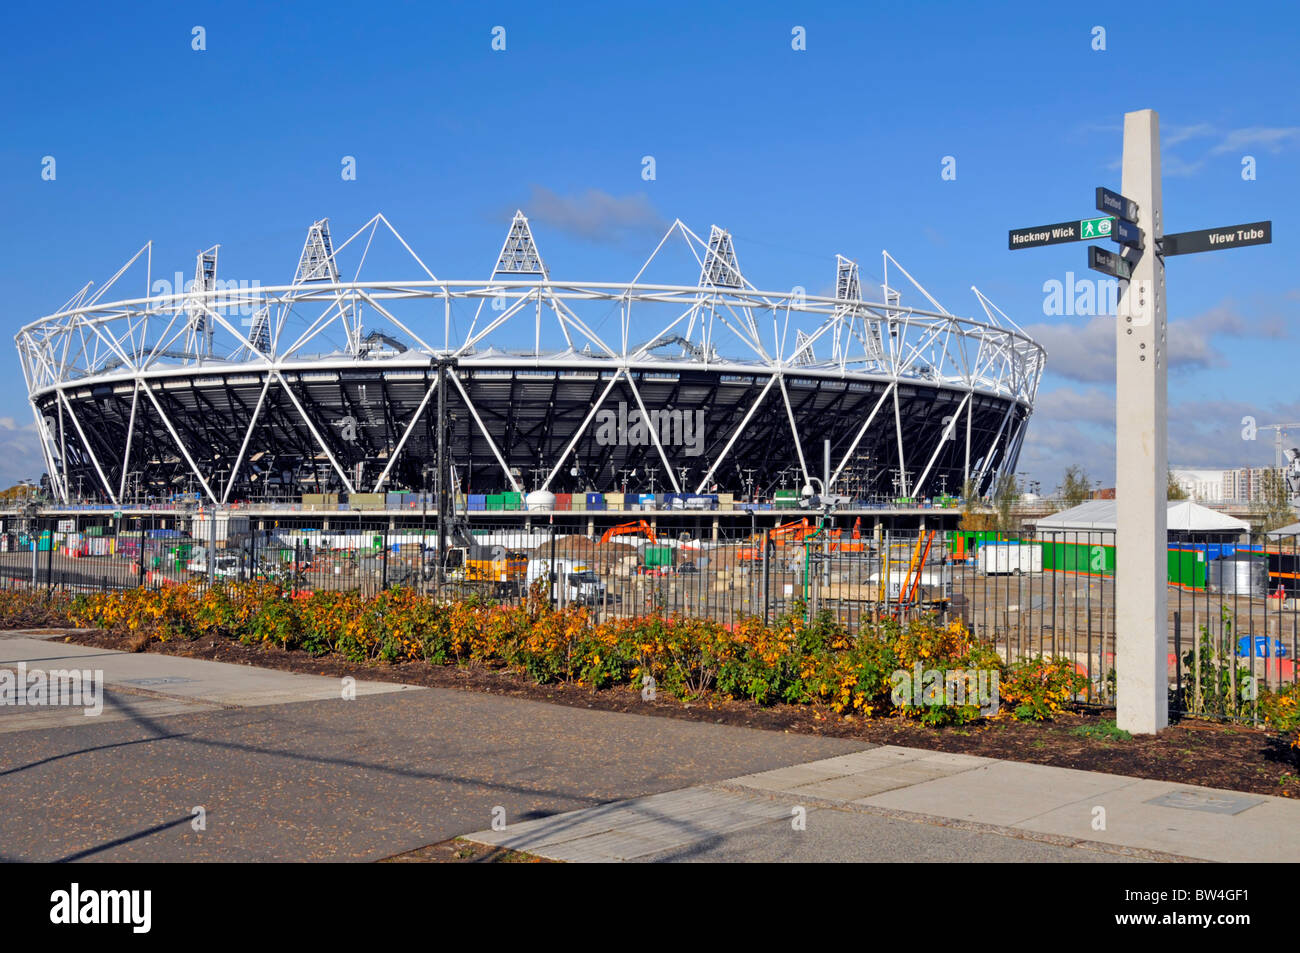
x=801, y=154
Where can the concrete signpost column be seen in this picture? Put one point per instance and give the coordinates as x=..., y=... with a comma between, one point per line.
x=1134, y=220
x=1141, y=465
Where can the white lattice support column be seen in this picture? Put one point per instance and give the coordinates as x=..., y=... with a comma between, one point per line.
x=90, y=451
x=862, y=432
x=591, y=415
x=944, y=436
x=130, y=436
x=243, y=447
x=794, y=430
x=306, y=418
x=410, y=429
x=654, y=435
x=180, y=444
x=455, y=379
x=737, y=434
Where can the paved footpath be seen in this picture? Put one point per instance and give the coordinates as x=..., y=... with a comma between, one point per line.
x=853, y=808
x=291, y=771
x=285, y=768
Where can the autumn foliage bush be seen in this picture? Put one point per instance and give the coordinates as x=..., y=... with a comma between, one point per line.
x=33, y=608
x=795, y=660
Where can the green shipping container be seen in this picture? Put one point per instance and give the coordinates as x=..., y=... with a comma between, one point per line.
x=1187, y=568
x=495, y=501
x=657, y=556
x=1093, y=559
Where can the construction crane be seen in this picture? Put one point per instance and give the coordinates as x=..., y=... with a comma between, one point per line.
x=1279, y=439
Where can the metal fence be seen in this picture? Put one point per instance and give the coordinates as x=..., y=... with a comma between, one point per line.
x=1234, y=604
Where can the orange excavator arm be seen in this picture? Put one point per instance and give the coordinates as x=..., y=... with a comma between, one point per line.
x=630, y=529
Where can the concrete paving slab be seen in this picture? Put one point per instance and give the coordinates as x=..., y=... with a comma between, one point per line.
x=785, y=779
x=1005, y=792
x=1268, y=831
x=1000, y=810
x=834, y=836
x=145, y=684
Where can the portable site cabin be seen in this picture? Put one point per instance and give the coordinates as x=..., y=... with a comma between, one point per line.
x=1283, y=548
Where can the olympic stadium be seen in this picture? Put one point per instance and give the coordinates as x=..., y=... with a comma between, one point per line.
x=688, y=375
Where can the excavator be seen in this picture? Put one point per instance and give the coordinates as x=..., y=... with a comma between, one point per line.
x=635, y=528
x=786, y=534
x=854, y=544
x=498, y=569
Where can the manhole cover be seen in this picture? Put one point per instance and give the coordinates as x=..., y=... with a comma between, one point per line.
x=1199, y=801
x=153, y=682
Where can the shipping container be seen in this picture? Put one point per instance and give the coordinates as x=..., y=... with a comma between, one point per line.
x=1079, y=555
x=654, y=557
x=595, y=501
x=1187, y=567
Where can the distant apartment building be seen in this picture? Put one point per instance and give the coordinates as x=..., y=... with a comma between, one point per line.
x=1238, y=485
x=1203, y=486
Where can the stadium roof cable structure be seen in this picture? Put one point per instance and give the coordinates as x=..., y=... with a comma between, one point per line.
x=327, y=381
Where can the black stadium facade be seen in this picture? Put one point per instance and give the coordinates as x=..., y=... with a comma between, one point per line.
x=327, y=384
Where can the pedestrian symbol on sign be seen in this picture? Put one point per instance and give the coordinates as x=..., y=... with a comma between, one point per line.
x=1095, y=227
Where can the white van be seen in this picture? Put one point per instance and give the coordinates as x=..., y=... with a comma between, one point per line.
x=572, y=581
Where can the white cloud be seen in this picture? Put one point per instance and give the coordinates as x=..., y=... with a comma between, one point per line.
x=20, y=452
x=1271, y=138
x=1077, y=425
x=595, y=215
x=1083, y=349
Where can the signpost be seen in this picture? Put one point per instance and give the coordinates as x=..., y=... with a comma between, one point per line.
x=1115, y=204
x=1126, y=233
x=1095, y=227
x=1108, y=262
x=1142, y=455
x=1217, y=239
x=1141, y=398
x=1073, y=231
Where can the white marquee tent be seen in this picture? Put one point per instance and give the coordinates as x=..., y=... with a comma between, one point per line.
x=1100, y=516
